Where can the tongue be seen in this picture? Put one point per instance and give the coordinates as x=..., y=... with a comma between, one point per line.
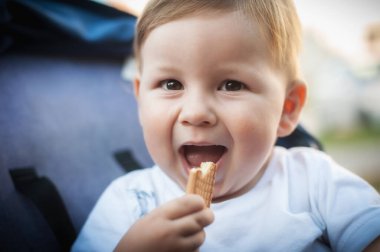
x=195, y=155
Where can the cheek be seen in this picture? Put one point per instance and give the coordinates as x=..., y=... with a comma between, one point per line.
x=154, y=127
x=253, y=140
x=157, y=123
x=254, y=135
x=253, y=125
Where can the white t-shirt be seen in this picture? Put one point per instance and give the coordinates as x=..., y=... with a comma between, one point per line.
x=303, y=202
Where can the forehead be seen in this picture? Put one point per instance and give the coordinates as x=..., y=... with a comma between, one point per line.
x=229, y=32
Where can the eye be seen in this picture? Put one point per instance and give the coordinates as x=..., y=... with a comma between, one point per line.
x=232, y=85
x=171, y=85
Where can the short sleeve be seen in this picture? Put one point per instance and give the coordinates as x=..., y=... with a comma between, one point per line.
x=348, y=206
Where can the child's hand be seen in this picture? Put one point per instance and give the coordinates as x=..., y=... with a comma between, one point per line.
x=175, y=226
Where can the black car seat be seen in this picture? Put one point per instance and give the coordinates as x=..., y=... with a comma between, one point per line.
x=68, y=122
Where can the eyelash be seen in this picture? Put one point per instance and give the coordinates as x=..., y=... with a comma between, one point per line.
x=176, y=85
x=165, y=85
x=224, y=87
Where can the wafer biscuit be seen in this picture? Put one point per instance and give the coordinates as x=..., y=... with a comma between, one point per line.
x=201, y=181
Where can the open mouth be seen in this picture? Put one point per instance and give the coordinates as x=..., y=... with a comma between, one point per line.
x=195, y=154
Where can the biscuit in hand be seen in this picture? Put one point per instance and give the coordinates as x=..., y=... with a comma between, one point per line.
x=201, y=181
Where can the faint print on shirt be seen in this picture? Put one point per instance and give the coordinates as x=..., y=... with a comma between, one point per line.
x=146, y=201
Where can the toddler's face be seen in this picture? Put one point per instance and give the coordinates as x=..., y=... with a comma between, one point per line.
x=208, y=92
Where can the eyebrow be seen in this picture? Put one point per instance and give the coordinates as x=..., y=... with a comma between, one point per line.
x=166, y=68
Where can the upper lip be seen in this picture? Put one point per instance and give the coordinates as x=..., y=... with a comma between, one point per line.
x=198, y=143
x=191, y=143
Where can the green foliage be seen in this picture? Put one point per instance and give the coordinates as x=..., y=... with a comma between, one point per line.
x=354, y=142
x=352, y=137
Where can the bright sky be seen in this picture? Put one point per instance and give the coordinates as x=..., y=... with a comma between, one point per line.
x=343, y=22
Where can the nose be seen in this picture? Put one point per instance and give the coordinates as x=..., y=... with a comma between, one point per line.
x=197, y=111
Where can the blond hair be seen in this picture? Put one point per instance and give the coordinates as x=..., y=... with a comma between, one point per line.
x=278, y=20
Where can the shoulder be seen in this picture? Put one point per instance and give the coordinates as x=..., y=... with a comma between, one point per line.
x=134, y=186
x=141, y=186
x=300, y=164
x=125, y=200
x=340, y=201
x=302, y=155
x=305, y=161
x=318, y=172
x=144, y=179
x=140, y=180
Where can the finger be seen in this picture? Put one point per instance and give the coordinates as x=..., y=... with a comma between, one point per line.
x=193, y=242
x=194, y=223
x=183, y=206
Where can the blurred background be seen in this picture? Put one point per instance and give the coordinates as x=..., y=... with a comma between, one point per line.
x=341, y=64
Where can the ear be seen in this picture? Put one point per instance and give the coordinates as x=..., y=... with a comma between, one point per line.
x=293, y=105
x=136, y=86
